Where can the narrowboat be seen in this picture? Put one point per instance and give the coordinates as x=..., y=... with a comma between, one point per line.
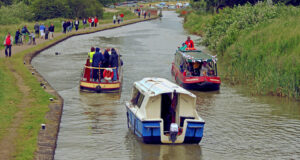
x=196, y=70
x=97, y=79
x=162, y=112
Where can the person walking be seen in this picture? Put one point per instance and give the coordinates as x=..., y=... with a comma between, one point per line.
x=139, y=13
x=24, y=31
x=42, y=31
x=114, y=19
x=76, y=24
x=96, y=21
x=51, y=31
x=90, y=22
x=65, y=26
x=71, y=25
x=145, y=14
x=18, y=34
x=84, y=22
x=37, y=29
x=93, y=21
x=33, y=38
x=122, y=16
x=8, y=41
x=68, y=25
x=119, y=19
x=46, y=32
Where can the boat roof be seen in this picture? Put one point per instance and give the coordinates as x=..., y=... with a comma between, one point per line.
x=197, y=55
x=157, y=86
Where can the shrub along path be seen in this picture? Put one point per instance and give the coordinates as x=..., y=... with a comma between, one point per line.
x=19, y=137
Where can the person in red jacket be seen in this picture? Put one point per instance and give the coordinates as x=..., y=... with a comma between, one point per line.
x=122, y=16
x=8, y=41
x=96, y=21
x=90, y=21
x=189, y=42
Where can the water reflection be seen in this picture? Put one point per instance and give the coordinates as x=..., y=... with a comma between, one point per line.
x=161, y=152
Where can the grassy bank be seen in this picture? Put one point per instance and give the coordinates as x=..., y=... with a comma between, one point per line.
x=10, y=98
x=258, y=46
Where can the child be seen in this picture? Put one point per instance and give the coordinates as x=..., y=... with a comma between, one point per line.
x=33, y=38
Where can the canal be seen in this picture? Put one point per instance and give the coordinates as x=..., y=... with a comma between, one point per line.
x=94, y=126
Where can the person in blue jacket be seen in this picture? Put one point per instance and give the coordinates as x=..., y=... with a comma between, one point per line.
x=114, y=62
x=97, y=62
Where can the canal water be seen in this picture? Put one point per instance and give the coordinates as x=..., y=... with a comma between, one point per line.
x=94, y=126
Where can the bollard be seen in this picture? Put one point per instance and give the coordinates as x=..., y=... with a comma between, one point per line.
x=43, y=126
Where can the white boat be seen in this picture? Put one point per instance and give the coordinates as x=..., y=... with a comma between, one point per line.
x=163, y=112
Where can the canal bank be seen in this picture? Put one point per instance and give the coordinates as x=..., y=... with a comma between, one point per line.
x=93, y=126
x=35, y=102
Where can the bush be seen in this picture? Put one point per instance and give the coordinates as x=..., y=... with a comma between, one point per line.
x=49, y=9
x=196, y=23
x=15, y=13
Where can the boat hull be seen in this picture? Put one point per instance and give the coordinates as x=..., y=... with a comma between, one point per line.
x=200, y=83
x=149, y=131
x=100, y=87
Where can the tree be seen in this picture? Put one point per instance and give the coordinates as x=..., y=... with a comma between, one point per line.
x=49, y=9
x=83, y=8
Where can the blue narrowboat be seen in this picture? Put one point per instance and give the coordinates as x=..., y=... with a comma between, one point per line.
x=163, y=112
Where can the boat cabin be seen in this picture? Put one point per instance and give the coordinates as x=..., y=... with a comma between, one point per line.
x=196, y=63
x=164, y=108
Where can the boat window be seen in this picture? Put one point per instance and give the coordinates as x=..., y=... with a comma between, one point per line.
x=137, y=98
x=140, y=100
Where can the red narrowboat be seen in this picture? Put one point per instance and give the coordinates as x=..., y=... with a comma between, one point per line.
x=196, y=70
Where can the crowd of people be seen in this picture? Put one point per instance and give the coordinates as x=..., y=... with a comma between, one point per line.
x=105, y=59
x=119, y=18
x=196, y=69
x=141, y=12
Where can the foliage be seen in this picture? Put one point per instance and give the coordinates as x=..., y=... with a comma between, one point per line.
x=80, y=8
x=195, y=23
x=49, y=9
x=225, y=27
x=258, y=44
x=267, y=58
x=15, y=13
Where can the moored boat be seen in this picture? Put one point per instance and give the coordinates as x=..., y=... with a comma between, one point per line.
x=98, y=79
x=163, y=112
x=196, y=70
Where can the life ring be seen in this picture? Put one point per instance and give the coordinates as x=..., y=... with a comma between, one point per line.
x=108, y=74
